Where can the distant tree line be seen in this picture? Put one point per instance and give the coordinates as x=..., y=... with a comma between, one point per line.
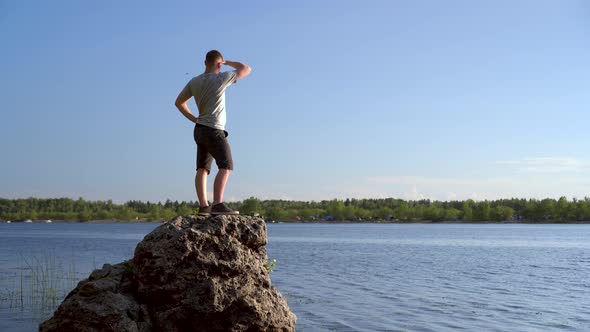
x=530, y=210
x=81, y=210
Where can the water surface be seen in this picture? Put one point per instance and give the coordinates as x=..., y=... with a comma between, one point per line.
x=355, y=277
x=416, y=277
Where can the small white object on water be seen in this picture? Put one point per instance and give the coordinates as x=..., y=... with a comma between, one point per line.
x=28, y=220
x=48, y=221
x=8, y=221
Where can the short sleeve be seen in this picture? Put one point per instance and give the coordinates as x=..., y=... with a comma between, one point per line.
x=187, y=90
x=229, y=77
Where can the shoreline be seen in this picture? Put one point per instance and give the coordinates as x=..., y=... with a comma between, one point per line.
x=426, y=222
x=324, y=222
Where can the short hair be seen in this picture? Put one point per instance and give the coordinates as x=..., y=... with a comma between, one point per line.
x=213, y=56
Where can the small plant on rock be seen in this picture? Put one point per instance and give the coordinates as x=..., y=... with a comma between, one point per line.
x=270, y=265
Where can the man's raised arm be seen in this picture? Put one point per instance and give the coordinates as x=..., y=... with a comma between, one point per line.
x=242, y=69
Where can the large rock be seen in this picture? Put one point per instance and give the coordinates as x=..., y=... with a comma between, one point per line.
x=189, y=274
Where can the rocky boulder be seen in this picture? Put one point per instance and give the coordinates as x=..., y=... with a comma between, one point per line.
x=189, y=274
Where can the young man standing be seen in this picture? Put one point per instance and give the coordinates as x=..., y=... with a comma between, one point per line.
x=208, y=89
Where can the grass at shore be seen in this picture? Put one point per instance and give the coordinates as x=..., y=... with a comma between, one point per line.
x=39, y=286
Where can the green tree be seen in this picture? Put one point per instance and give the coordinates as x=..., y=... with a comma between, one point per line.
x=482, y=211
x=184, y=210
x=275, y=213
x=547, y=208
x=251, y=206
x=467, y=210
x=402, y=211
x=168, y=213
x=452, y=214
x=433, y=213
x=155, y=212
x=384, y=213
x=336, y=209
x=33, y=215
x=583, y=210
x=349, y=212
x=563, y=209
x=306, y=214
x=532, y=210
x=363, y=214
x=103, y=215
x=84, y=215
x=124, y=213
x=502, y=213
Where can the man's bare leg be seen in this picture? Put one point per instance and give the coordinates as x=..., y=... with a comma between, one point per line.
x=219, y=185
x=201, y=186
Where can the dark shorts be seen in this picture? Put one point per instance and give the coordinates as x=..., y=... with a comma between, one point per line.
x=212, y=144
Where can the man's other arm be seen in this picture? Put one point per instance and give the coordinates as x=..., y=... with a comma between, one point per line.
x=241, y=69
x=183, y=97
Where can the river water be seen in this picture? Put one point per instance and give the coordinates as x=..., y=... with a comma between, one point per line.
x=346, y=277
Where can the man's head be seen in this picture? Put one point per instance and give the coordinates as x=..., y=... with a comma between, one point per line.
x=213, y=61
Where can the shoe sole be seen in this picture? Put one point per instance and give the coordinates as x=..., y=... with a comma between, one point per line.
x=204, y=214
x=225, y=213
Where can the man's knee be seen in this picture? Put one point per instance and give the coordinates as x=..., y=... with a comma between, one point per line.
x=204, y=171
x=225, y=170
x=226, y=163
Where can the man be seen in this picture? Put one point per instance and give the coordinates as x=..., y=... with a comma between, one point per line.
x=208, y=89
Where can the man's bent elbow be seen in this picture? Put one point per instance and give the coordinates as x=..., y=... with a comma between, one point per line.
x=244, y=72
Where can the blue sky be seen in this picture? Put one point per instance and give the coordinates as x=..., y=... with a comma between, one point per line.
x=409, y=99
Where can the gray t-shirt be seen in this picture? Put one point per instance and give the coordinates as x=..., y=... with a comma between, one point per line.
x=209, y=93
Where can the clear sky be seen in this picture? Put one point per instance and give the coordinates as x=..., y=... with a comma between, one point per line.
x=407, y=99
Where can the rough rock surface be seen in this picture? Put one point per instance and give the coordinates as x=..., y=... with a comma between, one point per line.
x=189, y=274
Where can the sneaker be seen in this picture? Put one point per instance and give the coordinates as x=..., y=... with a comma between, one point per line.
x=205, y=211
x=221, y=208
